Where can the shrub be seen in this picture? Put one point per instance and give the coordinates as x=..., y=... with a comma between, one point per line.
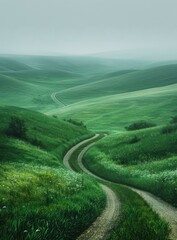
x=76, y=122
x=16, y=128
x=173, y=120
x=140, y=125
x=134, y=139
x=169, y=129
x=36, y=142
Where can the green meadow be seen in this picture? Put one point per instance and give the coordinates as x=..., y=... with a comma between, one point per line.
x=145, y=159
x=106, y=94
x=63, y=100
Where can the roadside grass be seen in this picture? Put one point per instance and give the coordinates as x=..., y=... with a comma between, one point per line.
x=46, y=203
x=149, y=164
x=39, y=198
x=137, y=220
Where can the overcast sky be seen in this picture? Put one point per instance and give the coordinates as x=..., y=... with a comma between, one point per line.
x=86, y=26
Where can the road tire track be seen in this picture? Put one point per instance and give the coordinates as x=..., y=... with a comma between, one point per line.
x=56, y=100
x=100, y=228
x=165, y=210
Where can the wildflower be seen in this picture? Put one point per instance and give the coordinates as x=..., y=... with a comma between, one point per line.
x=25, y=231
x=4, y=207
x=37, y=230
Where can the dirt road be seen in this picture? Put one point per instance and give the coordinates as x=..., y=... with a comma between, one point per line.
x=101, y=227
x=56, y=100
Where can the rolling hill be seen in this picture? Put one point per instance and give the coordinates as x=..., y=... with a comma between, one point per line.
x=104, y=93
x=36, y=190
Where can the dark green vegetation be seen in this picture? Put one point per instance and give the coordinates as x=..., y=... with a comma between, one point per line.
x=39, y=198
x=95, y=91
x=137, y=220
x=140, y=125
x=145, y=159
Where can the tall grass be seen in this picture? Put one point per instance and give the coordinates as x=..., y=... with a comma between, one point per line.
x=46, y=203
x=149, y=163
x=137, y=220
x=39, y=198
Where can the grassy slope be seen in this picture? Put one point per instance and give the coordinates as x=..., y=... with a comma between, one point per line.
x=143, y=94
x=122, y=82
x=86, y=78
x=114, y=112
x=39, y=198
x=40, y=76
x=149, y=163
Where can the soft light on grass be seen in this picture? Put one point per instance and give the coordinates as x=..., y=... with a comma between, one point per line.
x=39, y=198
x=149, y=164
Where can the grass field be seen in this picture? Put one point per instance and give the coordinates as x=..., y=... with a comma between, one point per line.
x=39, y=198
x=145, y=159
x=106, y=95
x=113, y=113
x=29, y=81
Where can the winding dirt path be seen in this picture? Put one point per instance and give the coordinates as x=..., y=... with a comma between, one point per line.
x=56, y=100
x=101, y=227
x=104, y=223
x=73, y=149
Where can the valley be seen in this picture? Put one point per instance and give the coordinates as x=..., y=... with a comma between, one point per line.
x=88, y=146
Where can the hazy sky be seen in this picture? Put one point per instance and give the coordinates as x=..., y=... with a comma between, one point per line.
x=86, y=26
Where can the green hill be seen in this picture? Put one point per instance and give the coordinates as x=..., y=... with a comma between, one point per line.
x=145, y=159
x=113, y=113
x=121, y=82
x=104, y=93
x=36, y=192
x=29, y=81
x=9, y=64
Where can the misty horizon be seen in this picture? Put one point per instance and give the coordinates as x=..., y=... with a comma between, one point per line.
x=61, y=27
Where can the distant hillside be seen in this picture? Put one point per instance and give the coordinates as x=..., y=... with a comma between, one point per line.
x=9, y=64
x=29, y=81
x=114, y=112
x=104, y=93
x=122, y=82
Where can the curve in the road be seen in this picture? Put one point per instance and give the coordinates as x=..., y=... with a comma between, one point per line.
x=56, y=100
x=104, y=223
x=73, y=149
x=101, y=227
